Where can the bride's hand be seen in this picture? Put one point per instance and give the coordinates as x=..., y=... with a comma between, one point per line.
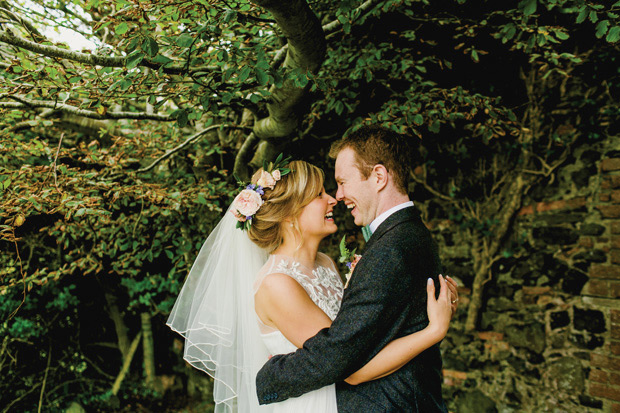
x=440, y=309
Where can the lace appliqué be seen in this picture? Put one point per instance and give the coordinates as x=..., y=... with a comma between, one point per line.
x=323, y=285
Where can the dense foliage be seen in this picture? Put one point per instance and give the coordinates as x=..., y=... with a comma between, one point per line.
x=116, y=162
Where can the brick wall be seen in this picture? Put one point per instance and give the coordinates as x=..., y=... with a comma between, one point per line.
x=603, y=289
x=549, y=336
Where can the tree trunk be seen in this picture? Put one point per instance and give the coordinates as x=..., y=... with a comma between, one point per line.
x=126, y=363
x=119, y=324
x=306, y=51
x=148, y=350
x=512, y=199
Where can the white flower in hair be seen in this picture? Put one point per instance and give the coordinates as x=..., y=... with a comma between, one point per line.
x=266, y=180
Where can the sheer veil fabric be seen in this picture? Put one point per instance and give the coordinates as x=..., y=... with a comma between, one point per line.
x=215, y=314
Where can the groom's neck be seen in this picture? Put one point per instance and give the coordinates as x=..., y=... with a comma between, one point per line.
x=390, y=200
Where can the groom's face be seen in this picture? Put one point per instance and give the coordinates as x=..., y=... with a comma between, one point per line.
x=358, y=194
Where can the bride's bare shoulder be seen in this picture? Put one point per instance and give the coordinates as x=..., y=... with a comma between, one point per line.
x=276, y=284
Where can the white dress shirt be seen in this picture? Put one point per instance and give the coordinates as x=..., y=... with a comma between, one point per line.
x=379, y=220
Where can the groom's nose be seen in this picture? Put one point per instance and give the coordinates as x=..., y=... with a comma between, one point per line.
x=339, y=194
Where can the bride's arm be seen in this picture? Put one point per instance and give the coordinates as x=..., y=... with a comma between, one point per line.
x=283, y=304
x=402, y=350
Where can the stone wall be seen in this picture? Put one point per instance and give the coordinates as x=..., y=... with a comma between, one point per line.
x=549, y=336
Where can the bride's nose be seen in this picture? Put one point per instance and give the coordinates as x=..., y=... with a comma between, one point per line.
x=331, y=200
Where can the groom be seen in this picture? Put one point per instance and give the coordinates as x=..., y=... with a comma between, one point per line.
x=386, y=297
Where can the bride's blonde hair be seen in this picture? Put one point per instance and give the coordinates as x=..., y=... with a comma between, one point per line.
x=291, y=193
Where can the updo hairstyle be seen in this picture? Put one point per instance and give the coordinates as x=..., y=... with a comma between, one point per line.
x=291, y=193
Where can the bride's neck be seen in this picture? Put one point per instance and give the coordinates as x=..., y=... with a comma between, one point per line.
x=304, y=254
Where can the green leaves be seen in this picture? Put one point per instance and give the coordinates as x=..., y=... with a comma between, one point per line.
x=261, y=76
x=184, y=40
x=613, y=35
x=528, y=6
x=181, y=116
x=601, y=28
x=121, y=28
x=150, y=47
x=134, y=59
x=345, y=253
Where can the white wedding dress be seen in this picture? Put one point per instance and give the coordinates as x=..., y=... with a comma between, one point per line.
x=324, y=287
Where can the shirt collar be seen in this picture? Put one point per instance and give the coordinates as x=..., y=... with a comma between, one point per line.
x=379, y=220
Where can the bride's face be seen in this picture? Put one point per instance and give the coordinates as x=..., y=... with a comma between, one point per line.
x=316, y=218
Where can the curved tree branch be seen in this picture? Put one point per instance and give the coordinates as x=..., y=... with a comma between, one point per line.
x=306, y=51
x=327, y=29
x=192, y=139
x=30, y=103
x=93, y=59
x=53, y=51
x=243, y=156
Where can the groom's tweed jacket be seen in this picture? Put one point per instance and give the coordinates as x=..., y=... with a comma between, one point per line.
x=386, y=299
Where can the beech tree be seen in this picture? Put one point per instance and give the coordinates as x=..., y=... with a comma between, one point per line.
x=115, y=162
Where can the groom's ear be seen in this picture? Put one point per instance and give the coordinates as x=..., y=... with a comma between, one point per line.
x=381, y=176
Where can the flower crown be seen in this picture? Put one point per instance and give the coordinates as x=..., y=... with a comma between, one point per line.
x=248, y=201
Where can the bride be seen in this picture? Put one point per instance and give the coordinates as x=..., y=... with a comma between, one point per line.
x=260, y=287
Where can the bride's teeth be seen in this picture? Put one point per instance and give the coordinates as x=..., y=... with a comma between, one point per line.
x=329, y=215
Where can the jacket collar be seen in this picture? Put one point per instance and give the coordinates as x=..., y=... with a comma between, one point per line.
x=398, y=217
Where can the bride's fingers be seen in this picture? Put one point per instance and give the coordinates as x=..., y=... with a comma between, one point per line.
x=430, y=289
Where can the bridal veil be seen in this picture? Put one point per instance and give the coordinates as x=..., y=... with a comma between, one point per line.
x=215, y=314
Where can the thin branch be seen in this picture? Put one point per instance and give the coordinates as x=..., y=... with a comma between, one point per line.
x=96, y=367
x=7, y=409
x=47, y=369
x=62, y=135
x=192, y=139
x=74, y=110
x=63, y=7
x=432, y=190
x=336, y=24
x=4, y=7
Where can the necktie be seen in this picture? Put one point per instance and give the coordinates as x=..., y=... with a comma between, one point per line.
x=366, y=232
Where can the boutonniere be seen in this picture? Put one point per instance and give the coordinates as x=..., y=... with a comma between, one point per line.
x=350, y=258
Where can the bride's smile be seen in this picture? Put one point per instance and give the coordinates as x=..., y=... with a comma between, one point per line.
x=317, y=218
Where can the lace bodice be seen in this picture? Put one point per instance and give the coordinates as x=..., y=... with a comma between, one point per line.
x=322, y=283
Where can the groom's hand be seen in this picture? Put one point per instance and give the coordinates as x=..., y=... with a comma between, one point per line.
x=454, y=293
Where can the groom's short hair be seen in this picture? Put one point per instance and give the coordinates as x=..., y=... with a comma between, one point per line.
x=375, y=145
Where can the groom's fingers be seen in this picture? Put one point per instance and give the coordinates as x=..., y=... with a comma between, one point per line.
x=443, y=291
x=454, y=294
x=453, y=287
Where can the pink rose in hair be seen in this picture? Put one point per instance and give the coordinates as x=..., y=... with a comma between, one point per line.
x=247, y=203
x=276, y=175
x=266, y=180
x=237, y=215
